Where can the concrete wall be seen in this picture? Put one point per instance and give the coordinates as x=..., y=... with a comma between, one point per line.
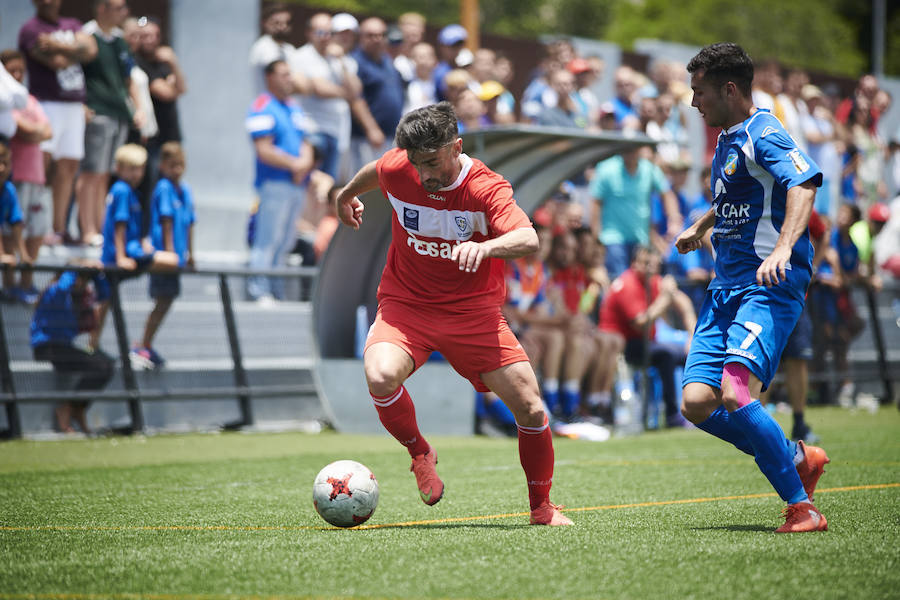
x=213, y=46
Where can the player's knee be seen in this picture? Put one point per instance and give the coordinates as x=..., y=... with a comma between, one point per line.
x=383, y=380
x=697, y=402
x=529, y=413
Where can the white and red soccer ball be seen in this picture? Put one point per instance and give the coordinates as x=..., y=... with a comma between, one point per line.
x=345, y=493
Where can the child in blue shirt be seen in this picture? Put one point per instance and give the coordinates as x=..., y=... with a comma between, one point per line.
x=12, y=222
x=171, y=229
x=73, y=304
x=123, y=246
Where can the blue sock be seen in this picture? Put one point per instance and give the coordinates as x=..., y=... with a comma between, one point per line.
x=551, y=394
x=720, y=424
x=771, y=449
x=480, y=407
x=571, y=398
x=500, y=412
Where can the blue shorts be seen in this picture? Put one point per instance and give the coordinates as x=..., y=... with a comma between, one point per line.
x=165, y=286
x=799, y=344
x=747, y=325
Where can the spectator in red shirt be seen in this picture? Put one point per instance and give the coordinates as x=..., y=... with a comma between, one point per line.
x=629, y=310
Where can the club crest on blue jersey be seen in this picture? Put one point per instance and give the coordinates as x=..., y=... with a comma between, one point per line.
x=410, y=218
x=731, y=163
x=463, y=225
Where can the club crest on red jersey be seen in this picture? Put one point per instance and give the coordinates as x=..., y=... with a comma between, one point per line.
x=464, y=228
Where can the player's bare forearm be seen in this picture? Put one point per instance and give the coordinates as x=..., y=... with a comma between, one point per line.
x=513, y=244
x=349, y=206
x=365, y=180
x=798, y=207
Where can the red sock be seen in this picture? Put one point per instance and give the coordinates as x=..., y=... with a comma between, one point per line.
x=398, y=415
x=536, y=455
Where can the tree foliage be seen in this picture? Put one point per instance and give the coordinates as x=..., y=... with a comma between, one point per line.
x=824, y=35
x=801, y=33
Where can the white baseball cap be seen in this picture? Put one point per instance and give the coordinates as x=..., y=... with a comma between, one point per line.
x=344, y=22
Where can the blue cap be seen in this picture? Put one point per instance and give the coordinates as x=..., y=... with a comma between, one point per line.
x=452, y=34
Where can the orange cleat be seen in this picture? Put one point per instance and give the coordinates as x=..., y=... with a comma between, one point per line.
x=431, y=488
x=549, y=514
x=801, y=517
x=812, y=467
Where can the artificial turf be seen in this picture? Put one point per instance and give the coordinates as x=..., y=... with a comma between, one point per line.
x=673, y=514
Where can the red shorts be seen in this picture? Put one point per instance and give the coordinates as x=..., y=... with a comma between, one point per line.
x=473, y=342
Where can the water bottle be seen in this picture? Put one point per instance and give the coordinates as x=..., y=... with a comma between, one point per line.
x=628, y=412
x=362, y=330
x=626, y=398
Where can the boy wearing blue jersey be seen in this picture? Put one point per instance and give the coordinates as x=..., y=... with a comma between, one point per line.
x=763, y=188
x=171, y=229
x=123, y=246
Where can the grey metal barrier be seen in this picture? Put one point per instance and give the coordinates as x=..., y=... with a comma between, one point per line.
x=222, y=349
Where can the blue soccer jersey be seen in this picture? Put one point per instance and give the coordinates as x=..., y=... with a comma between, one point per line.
x=756, y=162
x=175, y=202
x=123, y=206
x=284, y=123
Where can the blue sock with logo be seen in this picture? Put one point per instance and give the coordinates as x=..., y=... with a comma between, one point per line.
x=771, y=449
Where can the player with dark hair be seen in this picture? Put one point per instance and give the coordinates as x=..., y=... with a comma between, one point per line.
x=763, y=187
x=442, y=289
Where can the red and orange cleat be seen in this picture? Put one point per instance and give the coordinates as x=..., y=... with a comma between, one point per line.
x=431, y=488
x=812, y=467
x=549, y=514
x=801, y=517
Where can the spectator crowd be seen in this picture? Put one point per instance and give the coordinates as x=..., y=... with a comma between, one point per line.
x=90, y=154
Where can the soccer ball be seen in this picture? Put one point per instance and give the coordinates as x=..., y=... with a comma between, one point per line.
x=345, y=493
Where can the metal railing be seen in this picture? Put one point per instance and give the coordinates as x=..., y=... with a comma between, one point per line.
x=132, y=393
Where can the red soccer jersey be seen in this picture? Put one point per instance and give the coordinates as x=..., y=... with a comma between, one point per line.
x=625, y=300
x=478, y=206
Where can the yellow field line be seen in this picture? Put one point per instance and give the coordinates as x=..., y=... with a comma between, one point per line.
x=852, y=488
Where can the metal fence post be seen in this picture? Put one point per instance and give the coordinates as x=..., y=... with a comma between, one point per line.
x=134, y=397
x=240, y=375
x=879, y=346
x=8, y=387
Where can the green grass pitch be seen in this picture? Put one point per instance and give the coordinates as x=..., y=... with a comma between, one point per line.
x=663, y=515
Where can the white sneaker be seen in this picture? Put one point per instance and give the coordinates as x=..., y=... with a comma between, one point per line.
x=845, y=396
x=266, y=302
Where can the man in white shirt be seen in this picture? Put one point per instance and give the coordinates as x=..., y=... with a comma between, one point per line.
x=273, y=44
x=335, y=90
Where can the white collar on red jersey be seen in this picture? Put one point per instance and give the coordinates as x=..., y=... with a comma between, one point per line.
x=466, y=166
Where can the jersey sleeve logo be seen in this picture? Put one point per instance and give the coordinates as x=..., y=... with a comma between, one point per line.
x=769, y=129
x=731, y=163
x=410, y=218
x=800, y=163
